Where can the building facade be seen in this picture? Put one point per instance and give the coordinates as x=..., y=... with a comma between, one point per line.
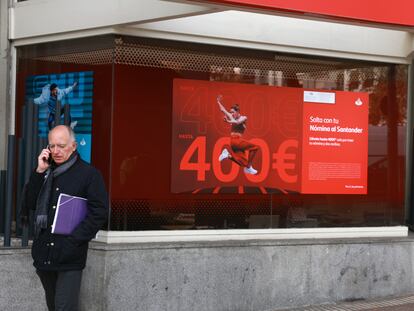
x=328, y=104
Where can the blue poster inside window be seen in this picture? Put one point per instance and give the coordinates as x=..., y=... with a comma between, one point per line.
x=72, y=88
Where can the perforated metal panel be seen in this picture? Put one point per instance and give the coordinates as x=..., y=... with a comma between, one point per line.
x=99, y=57
x=130, y=51
x=221, y=63
x=186, y=213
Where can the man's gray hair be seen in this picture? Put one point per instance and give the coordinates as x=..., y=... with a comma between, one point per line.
x=72, y=135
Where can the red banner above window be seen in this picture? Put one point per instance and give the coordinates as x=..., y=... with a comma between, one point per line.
x=397, y=12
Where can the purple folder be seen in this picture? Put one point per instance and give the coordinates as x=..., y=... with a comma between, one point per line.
x=69, y=213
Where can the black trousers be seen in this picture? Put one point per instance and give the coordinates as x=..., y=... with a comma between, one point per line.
x=61, y=289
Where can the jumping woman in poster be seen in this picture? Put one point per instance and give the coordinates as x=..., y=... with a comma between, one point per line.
x=238, y=146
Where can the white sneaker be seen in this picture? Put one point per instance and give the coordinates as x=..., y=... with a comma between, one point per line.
x=250, y=170
x=224, y=154
x=73, y=124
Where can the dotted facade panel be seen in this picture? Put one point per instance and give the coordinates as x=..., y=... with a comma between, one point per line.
x=224, y=64
x=99, y=57
x=132, y=52
x=189, y=213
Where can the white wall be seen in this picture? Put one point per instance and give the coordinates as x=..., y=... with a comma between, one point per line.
x=287, y=34
x=45, y=17
x=42, y=20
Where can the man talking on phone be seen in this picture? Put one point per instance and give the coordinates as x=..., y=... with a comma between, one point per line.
x=60, y=259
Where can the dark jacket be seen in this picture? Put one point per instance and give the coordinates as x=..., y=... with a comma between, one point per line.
x=60, y=252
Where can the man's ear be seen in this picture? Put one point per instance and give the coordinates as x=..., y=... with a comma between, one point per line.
x=74, y=145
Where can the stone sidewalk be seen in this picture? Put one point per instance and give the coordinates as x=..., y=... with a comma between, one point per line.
x=404, y=303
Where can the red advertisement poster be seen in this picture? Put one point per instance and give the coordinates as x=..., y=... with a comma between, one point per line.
x=232, y=137
x=335, y=142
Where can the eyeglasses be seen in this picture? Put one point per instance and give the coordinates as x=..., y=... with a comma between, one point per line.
x=59, y=146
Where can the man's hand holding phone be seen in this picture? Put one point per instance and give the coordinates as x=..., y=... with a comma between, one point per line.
x=43, y=161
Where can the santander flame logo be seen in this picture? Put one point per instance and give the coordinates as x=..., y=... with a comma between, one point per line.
x=358, y=102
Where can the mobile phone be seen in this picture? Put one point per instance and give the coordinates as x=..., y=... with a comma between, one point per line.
x=49, y=159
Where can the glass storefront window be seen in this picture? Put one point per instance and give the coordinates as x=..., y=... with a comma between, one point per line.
x=153, y=206
x=135, y=141
x=84, y=68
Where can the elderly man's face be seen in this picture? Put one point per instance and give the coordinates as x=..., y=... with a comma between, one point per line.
x=61, y=145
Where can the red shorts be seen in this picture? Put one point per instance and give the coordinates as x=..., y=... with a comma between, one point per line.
x=240, y=148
